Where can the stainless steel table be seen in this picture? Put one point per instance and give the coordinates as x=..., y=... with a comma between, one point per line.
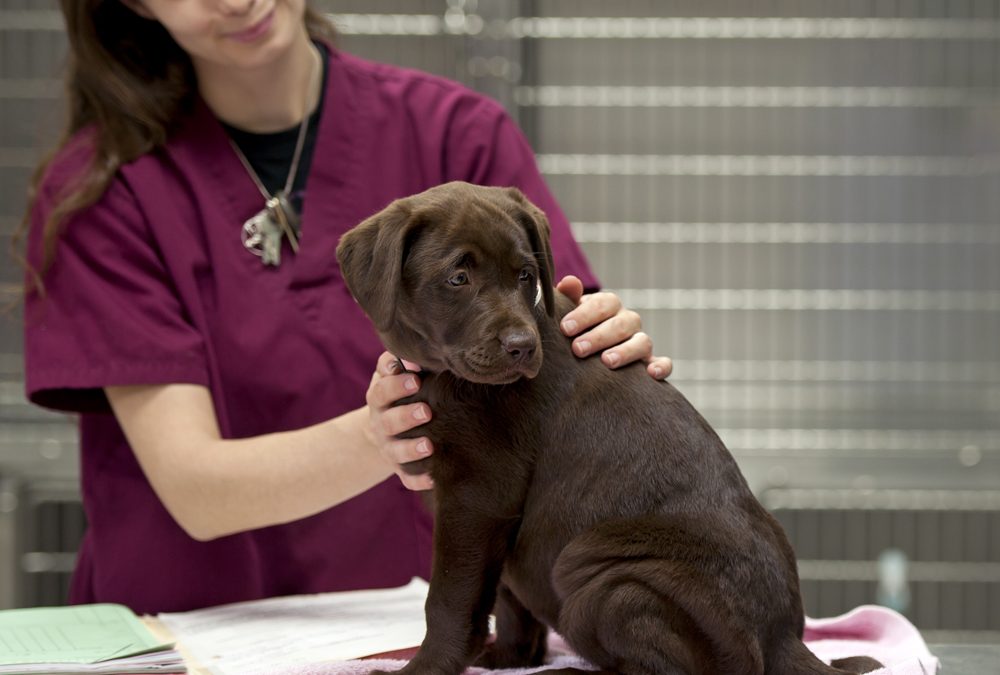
x=968, y=659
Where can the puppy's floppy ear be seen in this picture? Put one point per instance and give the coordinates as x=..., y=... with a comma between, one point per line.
x=537, y=227
x=371, y=257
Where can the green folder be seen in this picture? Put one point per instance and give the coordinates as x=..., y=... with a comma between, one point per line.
x=77, y=634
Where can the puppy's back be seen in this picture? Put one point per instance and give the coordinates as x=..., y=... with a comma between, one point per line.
x=622, y=431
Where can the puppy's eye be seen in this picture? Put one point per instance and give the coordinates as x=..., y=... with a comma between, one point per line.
x=459, y=279
x=526, y=276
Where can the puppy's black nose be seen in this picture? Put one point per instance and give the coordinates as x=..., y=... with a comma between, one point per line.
x=519, y=343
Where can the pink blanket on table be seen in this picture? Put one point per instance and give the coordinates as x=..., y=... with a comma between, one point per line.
x=868, y=630
x=878, y=632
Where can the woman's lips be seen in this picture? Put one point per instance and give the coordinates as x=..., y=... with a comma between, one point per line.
x=255, y=31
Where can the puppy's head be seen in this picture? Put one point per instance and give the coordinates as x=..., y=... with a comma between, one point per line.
x=455, y=278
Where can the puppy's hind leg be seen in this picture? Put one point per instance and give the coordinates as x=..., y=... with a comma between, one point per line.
x=631, y=605
x=623, y=628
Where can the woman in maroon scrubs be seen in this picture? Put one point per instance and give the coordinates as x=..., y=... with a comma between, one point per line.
x=234, y=441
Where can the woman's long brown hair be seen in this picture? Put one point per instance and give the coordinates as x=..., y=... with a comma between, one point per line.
x=128, y=81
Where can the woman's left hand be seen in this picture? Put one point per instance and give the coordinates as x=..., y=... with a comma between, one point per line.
x=601, y=324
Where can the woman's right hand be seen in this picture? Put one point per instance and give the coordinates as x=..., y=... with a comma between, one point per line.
x=388, y=385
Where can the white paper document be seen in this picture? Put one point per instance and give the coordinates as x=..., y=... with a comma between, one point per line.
x=251, y=638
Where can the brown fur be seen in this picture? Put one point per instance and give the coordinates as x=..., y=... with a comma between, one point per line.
x=595, y=502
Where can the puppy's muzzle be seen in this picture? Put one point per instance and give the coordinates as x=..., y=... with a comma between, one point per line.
x=520, y=345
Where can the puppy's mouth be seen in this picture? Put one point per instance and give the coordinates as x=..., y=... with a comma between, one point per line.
x=476, y=370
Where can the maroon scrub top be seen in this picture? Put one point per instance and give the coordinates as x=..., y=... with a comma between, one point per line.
x=153, y=285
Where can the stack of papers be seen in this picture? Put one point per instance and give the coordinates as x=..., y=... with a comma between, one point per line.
x=104, y=638
x=262, y=636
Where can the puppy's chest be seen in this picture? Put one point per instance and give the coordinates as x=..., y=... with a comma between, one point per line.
x=469, y=417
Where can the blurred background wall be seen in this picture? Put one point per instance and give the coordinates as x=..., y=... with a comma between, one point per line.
x=801, y=198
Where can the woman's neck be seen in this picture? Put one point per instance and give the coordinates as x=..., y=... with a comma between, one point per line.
x=266, y=99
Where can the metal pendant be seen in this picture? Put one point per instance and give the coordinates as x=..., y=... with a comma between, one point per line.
x=283, y=213
x=263, y=232
x=262, y=237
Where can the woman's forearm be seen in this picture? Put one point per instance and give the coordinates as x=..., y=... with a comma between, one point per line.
x=214, y=486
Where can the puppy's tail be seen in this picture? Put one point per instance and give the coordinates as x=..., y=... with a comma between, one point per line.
x=796, y=659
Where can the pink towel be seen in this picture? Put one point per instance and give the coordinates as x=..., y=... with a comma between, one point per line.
x=868, y=630
x=878, y=632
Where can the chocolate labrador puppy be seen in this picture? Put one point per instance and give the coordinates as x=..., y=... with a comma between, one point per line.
x=595, y=502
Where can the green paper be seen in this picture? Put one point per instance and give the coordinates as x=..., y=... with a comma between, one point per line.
x=74, y=634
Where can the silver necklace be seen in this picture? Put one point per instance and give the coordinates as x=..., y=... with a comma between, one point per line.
x=263, y=232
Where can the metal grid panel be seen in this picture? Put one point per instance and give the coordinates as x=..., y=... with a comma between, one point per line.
x=947, y=543
x=802, y=193
x=52, y=524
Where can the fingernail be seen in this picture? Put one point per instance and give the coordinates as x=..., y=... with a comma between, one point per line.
x=569, y=326
x=582, y=347
x=419, y=413
x=613, y=359
x=424, y=448
x=658, y=372
x=411, y=384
